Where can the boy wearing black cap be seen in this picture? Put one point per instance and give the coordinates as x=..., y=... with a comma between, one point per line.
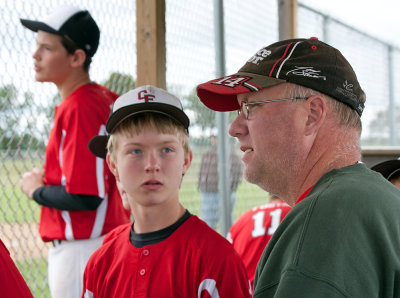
x=299, y=105
x=79, y=198
x=390, y=169
x=166, y=252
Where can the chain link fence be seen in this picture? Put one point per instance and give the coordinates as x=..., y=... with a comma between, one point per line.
x=26, y=107
x=377, y=66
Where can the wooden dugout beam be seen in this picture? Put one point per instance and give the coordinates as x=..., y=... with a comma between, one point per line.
x=150, y=43
x=287, y=13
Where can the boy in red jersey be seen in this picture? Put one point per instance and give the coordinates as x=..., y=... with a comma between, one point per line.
x=252, y=231
x=166, y=252
x=78, y=194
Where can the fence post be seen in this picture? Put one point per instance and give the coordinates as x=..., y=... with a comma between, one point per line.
x=224, y=188
x=392, y=105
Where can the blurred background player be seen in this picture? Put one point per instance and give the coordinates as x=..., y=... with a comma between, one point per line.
x=252, y=231
x=79, y=198
x=166, y=252
x=390, y=169
x=208, y=183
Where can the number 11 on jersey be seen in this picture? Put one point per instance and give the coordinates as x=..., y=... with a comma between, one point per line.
x=258, y=218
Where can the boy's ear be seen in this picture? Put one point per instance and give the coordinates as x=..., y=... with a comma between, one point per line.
x=112, y=166
x=187, y=162
x=78, y=58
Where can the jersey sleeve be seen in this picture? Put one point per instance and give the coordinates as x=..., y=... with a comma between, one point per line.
x=83, y=173
x=228, y=278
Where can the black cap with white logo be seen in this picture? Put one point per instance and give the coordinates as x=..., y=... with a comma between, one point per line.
x=71, y=22
x=306, y=62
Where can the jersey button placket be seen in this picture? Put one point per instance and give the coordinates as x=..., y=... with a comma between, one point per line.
x=145, y=253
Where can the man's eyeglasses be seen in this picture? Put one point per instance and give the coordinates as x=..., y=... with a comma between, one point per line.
x=245, y=110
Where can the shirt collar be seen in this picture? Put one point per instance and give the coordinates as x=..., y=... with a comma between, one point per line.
x=303, y=196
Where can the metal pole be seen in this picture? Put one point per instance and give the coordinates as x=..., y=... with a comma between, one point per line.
x=392, y=106
x=325, y=29
x=224, y=188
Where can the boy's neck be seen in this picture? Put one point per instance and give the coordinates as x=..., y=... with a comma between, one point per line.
x=154, y=219
x=72, y=83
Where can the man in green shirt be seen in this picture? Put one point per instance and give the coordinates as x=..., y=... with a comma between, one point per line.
x=299, y=104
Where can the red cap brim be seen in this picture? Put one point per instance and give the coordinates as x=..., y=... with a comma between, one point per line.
x=221, y=94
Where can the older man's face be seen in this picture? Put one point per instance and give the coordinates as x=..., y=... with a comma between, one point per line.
x=271, y=138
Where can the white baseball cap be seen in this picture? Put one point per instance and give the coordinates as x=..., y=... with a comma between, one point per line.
x=139, y=100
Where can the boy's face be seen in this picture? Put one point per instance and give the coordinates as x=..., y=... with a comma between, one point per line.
x=396, y=181
x=149, y=167
x=52, y=62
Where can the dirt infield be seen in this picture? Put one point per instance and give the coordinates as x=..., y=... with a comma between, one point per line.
x=23, y=241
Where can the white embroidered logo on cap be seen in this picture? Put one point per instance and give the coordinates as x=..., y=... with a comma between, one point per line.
x=231, y=81
x=347, y=86
x=347, y=91
x=306, y=71
x=259, y=56
x=144, y=95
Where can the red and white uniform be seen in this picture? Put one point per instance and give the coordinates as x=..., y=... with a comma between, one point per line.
x=12, y=284
x=252, y=231
x=194, y=261
x=69, y=162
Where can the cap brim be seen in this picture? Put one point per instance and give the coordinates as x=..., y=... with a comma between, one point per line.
x=35, y=26
x=166, y=109
x=387, y=168
x=98, y=146
x=220, y=94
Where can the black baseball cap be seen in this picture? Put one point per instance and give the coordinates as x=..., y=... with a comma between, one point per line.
x=388, y=168
x=72, y=22
x=139, y=100
x=307, y=62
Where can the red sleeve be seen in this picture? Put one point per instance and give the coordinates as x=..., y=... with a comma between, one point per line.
x=84, y=115
x=12, y=283
x=78, y=164
x=228, y=277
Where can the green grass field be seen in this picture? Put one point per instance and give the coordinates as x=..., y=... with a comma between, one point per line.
x=34, y=272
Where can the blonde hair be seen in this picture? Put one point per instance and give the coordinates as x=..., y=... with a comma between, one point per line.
x=345, y=115
x=138, y=124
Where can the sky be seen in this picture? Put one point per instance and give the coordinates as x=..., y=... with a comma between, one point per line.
x=377, y=18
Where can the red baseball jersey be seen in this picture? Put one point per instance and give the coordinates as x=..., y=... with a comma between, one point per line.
x=194, y=261
x=12, y=284
x=252, y=231
x=78, y=118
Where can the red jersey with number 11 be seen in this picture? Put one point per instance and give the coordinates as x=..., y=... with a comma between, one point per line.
x=252, y=231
